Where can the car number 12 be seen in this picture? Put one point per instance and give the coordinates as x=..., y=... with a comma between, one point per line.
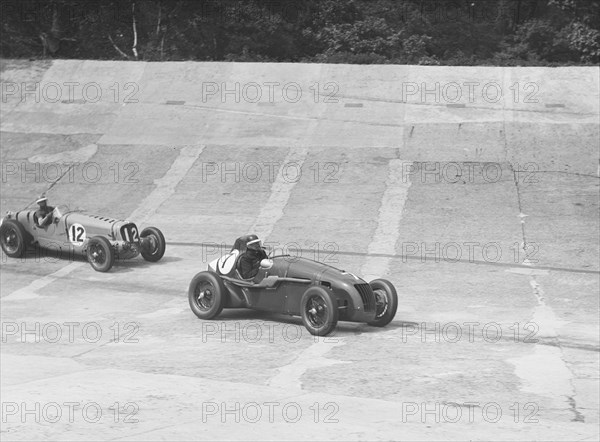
x=77, y=234
x=130, y=234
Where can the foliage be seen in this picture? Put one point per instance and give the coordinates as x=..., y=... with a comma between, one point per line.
x=511, y=32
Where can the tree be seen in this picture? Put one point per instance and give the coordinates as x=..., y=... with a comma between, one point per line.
x=348, y=31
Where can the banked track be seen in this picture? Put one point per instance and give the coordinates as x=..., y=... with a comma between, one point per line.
x=368, y=175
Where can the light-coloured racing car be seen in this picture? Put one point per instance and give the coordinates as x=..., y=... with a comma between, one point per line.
x=101, y=238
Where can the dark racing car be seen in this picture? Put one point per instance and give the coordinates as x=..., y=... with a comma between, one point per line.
x=322, y=295
x=101, y=238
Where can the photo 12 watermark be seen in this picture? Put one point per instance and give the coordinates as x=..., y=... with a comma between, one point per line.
x=270, y=92
x=470, y=251
x=325, y=252
x=253, y=172
x=69, y=332
x=269, y=412
x=69, y=92
x=471, y=92
x=69, y=412
x=469, y=332
x=453, y=172
x=469, y=412
x=89, y=172
x=259, y=332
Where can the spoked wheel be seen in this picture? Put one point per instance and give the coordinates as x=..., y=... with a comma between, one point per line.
x=13, y=238
x=100, y=254
x=319, y=312
x=206, y=295
x=386, y=300
x=154, y=244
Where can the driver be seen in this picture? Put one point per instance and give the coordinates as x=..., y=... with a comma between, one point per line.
x=43, y=215
x=251, y=258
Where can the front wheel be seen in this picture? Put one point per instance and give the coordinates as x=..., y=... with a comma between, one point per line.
x=13, y=238
x=100, y=254
x=154, y=244
x=206, y=295
x=319, y=311
x=386, y=300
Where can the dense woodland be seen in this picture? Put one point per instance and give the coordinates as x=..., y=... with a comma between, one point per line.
x=431, y=32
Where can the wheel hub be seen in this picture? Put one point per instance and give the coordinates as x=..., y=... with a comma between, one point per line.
x=382, y=303
x=204, y=299
x=316, y=312
x=10, y=240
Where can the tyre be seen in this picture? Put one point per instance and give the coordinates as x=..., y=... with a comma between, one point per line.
x=386, y=302
x=100, y=254
x=206, y=295
x=319, y=311
x=156, y=244
x=13, y=238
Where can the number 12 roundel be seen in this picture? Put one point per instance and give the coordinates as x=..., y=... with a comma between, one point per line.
x=76, y=234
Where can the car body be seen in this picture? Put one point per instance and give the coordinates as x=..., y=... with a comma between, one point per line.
x=319, y=293
x=102, y=239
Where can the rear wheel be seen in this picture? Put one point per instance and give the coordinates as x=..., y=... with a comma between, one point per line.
x=100, y=254
x=206, y=295
x=386, y=300
x=155, y=244
x=13, y=238
x=319, y=311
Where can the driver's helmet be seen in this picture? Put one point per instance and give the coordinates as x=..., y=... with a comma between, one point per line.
x=247, y=242
x=253, y=243
x=42, y=202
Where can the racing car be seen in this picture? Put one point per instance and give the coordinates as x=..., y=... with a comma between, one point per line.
x=101, y=238
x=321, y=294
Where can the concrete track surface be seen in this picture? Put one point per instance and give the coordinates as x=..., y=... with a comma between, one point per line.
x=478, y=200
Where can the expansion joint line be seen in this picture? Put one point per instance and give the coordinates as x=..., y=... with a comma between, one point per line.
x=520, y=205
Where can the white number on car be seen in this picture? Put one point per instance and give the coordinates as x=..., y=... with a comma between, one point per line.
x=77, y=234
x=131, y=234
x=226, y=262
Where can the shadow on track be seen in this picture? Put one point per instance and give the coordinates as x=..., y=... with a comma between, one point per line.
x=38, y=254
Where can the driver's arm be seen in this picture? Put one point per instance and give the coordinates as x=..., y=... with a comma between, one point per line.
x=47, y=218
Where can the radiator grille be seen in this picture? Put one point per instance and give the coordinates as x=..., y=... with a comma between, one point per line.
x=367, y=296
